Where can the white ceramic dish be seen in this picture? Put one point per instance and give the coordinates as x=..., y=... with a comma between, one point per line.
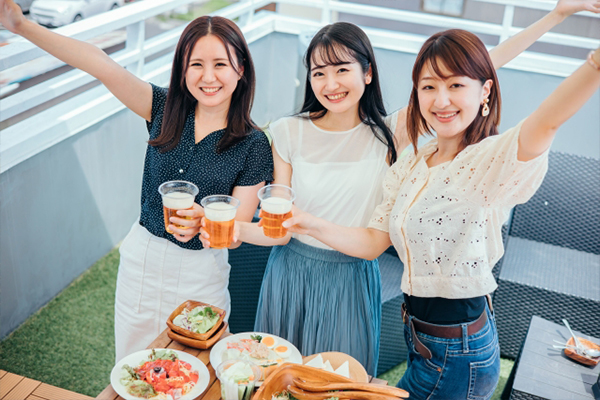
x=216, y=353
x=135, y=359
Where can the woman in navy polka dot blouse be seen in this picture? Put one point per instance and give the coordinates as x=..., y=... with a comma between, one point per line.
x=207, y=138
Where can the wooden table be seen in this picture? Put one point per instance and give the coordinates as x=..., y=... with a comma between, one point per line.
x=545, y=372
x=16, y=387
x=213, y=392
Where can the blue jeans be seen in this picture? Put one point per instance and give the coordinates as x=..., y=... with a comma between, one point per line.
x=460, y=368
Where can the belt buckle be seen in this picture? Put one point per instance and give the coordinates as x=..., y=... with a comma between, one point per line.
x=404, y=314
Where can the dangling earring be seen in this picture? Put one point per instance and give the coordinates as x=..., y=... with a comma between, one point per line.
x=485, y=111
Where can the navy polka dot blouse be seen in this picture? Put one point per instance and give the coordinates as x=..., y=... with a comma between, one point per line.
x=247, y=163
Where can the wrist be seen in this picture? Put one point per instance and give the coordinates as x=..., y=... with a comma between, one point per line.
x=557, y=17
x=593, y=59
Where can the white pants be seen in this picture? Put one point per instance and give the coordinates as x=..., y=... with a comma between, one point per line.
x=155, y=276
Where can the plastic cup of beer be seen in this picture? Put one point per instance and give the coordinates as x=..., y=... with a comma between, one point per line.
x=219, y=216
x=177, y=195
x=276, y=204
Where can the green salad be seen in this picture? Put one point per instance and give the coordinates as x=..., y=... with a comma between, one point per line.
x=197, y=320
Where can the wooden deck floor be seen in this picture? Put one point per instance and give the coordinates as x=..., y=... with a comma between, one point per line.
x=16, y=387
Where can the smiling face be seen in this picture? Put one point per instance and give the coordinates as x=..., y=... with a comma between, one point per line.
x=450, y=103
x=211, y=77
x=340, y=86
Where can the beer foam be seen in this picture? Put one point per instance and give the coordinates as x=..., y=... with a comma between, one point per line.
x=276, y=205
x=220, y=211
x=178, y=200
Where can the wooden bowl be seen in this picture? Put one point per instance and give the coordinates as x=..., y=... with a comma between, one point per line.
x=572, y=354
x=198, y=344
x=357, y=371
x=283, y=376
x=190, y=305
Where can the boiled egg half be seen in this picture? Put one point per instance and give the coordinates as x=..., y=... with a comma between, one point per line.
x=269, y=341
x=283, y=351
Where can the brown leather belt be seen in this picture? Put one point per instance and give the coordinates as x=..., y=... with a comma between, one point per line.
x=443, y=331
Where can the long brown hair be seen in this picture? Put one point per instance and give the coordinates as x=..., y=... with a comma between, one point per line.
x=463, y=54
x=180, y=101
x=336, y=44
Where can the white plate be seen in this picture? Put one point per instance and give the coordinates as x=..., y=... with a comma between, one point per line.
x=134, y=360
x=217, y=351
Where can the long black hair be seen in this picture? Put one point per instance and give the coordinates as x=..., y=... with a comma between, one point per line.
x=180, y=101
x=337, y=44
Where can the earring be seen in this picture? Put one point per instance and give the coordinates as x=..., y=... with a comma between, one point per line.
x=485, y=111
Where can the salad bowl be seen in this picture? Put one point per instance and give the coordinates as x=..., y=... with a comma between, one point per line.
x=198, y=344
x=190, y=305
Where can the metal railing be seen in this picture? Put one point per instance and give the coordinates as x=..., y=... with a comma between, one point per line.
x=34, y=134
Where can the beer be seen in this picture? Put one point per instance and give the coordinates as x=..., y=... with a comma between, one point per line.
x=276, y=204
x=174, y=201
x=220, y=219
x=177, y=195
x=275, y=210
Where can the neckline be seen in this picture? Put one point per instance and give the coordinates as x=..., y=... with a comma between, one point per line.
x=311, y=122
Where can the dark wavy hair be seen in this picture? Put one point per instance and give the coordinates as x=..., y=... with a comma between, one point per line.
x=462, y=54
x=180, y=101
x=337, y=44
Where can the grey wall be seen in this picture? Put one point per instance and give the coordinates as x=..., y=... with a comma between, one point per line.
x=63, y=209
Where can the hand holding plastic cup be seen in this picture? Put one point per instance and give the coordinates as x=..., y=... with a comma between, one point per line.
x=276, y=205
x=238, y=378
x=177, y=195
x=219, y=216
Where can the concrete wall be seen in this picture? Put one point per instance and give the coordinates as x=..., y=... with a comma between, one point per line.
x=63, y=209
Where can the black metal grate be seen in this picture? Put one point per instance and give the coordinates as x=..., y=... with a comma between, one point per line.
x=248, y=263
x=516, y=303
x=565, y=211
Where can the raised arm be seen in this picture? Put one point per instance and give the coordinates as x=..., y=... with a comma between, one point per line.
x=129, y=89
x=515, y=45
x=539, y=128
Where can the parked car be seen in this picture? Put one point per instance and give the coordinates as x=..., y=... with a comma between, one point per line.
x=24, y=4
x=54, y=13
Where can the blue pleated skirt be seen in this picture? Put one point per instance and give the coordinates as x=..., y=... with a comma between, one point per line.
x=322, y=300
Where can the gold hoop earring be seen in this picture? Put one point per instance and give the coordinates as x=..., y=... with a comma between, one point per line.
x=485, y=111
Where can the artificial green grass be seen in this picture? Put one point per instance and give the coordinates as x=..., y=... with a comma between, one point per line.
x=69, y=343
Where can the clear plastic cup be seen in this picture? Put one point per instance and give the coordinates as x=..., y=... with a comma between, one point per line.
x=219, y=214
x=276, y=205
x=177, y=195
x=238, y=379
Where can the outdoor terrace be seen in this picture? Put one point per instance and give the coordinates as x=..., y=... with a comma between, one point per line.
x=70, y=167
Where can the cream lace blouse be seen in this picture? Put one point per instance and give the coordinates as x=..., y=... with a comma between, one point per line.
x=445, y=221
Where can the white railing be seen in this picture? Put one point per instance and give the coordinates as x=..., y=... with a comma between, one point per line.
x=40, y=131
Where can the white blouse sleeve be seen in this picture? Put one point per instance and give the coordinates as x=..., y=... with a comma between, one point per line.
x=490, y=174
x=280, y=134
x=394, y=177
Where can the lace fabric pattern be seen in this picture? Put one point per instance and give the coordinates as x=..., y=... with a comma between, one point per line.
x=445, y=221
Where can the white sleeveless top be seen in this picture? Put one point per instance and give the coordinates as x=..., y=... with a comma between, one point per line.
x=337, y=176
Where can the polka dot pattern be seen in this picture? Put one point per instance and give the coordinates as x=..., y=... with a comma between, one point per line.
x=247, y=163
